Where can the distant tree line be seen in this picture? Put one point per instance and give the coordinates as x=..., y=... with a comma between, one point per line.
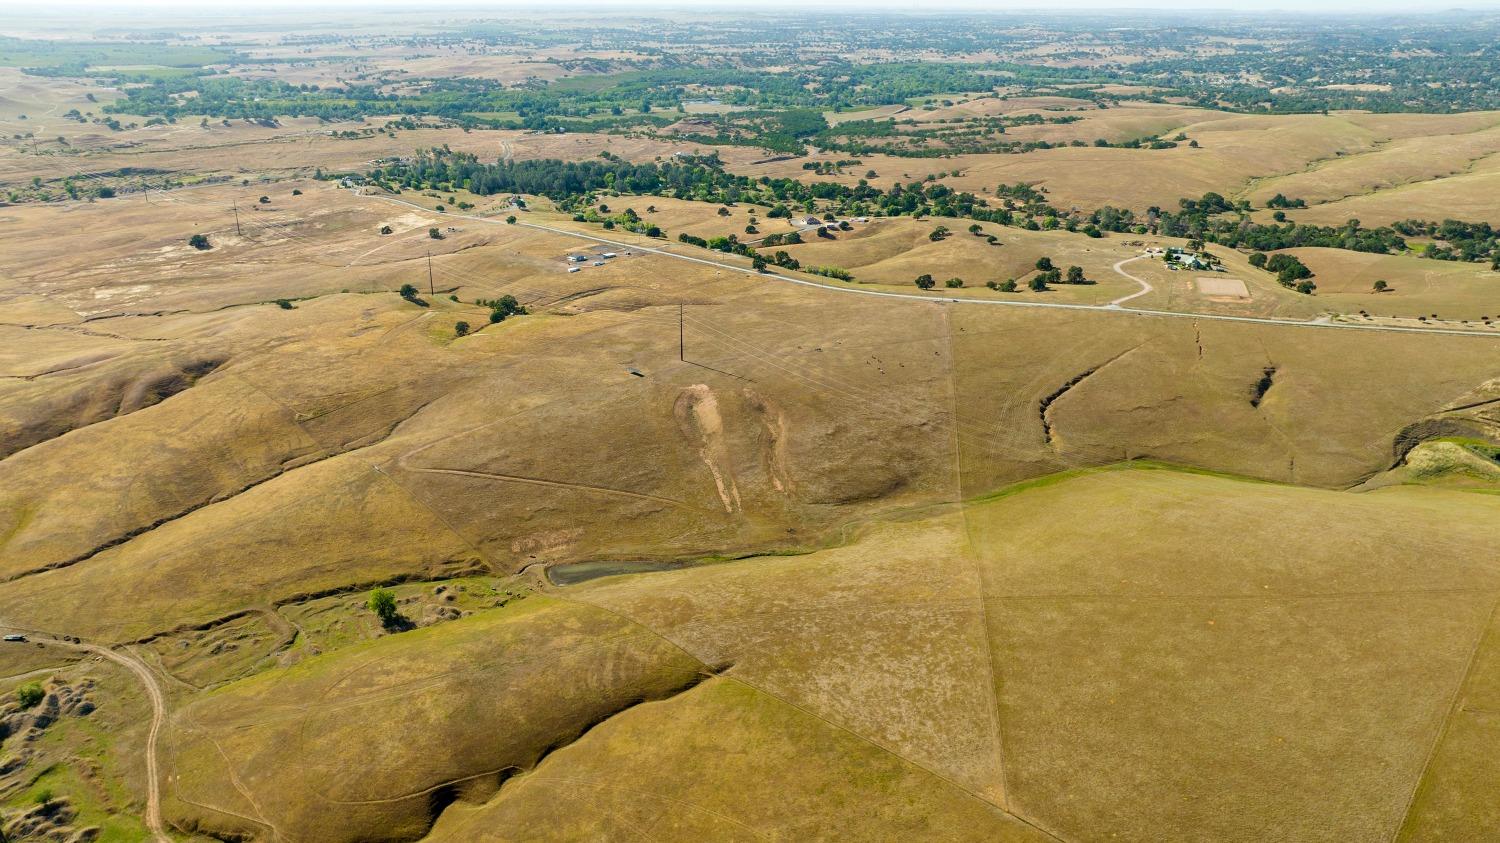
x=1209, y=218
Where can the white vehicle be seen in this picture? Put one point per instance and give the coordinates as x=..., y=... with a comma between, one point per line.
x=608, y=255
x=574, y=268
x=598, y=263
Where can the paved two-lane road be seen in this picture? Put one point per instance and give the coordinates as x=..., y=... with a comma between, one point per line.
x=1113, y=307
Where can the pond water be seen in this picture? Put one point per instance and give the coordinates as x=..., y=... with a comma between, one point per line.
x=573, y=573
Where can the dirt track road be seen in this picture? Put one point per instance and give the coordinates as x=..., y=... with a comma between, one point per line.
x=158, y=716
x=1145, y=285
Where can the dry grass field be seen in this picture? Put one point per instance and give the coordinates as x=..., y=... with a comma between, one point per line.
x=1173, y=555
x=923, y=658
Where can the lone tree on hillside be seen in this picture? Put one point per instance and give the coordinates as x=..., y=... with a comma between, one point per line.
x=200, y=242
x=383, y=603
x=434, y=234
x=924, y=282
x=1381, y=286
x=460, y=328
x=28, y=695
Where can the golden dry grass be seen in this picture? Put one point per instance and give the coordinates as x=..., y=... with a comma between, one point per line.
x=459, y=707
x=894, y=638
x=1448, y=290
x=981, y=661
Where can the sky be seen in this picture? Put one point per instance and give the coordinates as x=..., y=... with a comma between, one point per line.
x=198, y=10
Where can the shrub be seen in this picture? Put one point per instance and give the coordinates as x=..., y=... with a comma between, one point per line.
x=460, y=328
x=1008, y=285
x=510, y=220
x=28, y=695
x=200, y=242
x=296, y=192
x=831, y=272
x=1075, y=275
x=434, y=234
x=1037, y=283
x=924, y=282
x=1381, y=286
x=1043, y=264
x=1258, y=260
x=284, y=304
x=954, y=283
x=385, y=229
x=265, y=200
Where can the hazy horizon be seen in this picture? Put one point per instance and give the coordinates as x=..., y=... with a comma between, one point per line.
x=261, y=7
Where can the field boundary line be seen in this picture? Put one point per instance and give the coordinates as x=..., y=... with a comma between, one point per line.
x=1454, y=708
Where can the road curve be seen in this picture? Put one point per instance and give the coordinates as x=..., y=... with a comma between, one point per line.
x=158, y=716
x=1145, y=285
x=1320, y=322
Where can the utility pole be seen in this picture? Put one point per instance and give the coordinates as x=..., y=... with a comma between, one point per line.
x=237, y=220
x=429, y=276
x=681, y=337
